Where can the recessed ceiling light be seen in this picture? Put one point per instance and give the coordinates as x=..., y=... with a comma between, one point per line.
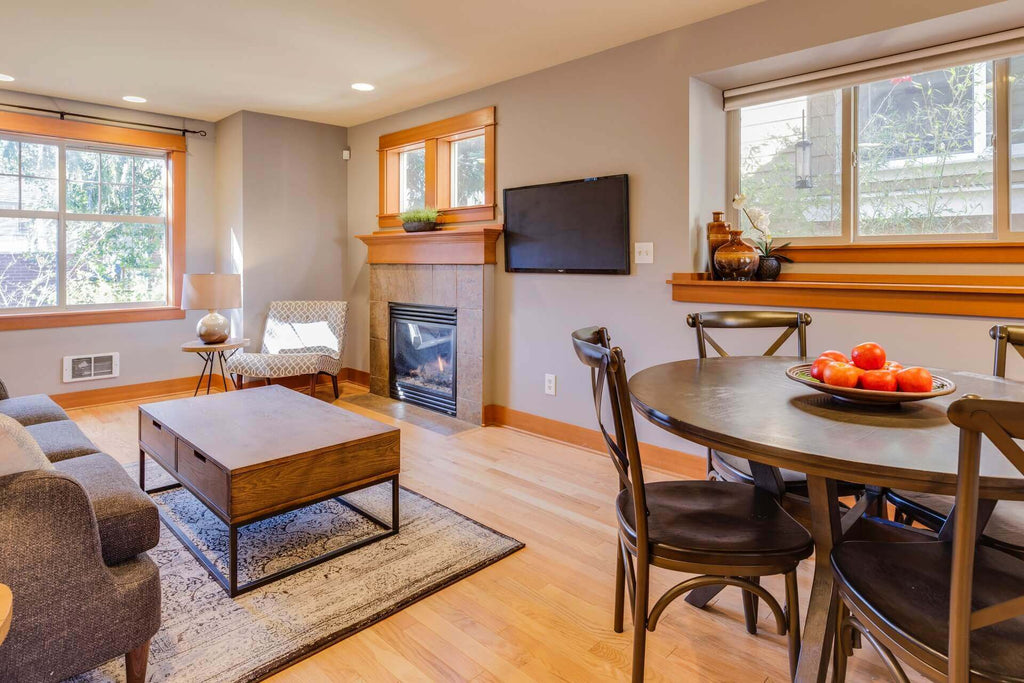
x=134, y=98
x=362, y=87
x=5, y=77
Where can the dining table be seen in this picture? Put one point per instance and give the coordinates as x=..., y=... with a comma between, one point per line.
x=747, y=406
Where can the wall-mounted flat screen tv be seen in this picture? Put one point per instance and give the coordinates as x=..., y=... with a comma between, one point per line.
x=577, y=226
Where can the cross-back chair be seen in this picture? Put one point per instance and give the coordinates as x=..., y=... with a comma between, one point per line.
x=722, y=531
x=951, y=608
x=1005, y=528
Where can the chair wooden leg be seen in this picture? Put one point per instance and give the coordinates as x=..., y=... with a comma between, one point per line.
x=839, y=647
x=620, y=589
x=312, y=385
x=135, y=663
x=793, y=627
x=267, y=380
x=643, y=574
x=334, y=383
x=750, y=609
x=237, y=379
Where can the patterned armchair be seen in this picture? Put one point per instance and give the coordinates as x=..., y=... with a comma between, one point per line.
x=300, y=338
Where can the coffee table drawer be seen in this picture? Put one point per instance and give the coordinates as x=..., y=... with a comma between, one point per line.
x=157, y=439
x=199, y=471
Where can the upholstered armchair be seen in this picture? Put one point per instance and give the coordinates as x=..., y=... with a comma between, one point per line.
x=300, y=338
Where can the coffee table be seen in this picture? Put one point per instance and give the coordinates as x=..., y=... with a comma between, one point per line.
x=253, y=454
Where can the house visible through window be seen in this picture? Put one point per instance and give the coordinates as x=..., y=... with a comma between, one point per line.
x=81, y=226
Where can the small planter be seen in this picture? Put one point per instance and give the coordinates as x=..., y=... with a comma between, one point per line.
x=769, y=268
x=420, y=226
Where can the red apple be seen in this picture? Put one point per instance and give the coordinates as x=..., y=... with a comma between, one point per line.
x=914, y=379
x=839, y=374
x=835, y=355
x=818, y=367
x=868, y=356
x=878, y=380
x=892, y=365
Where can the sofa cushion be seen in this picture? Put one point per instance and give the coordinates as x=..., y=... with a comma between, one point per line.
x=19, y=452
x=128, y=520
x=30, y=410
x=61, y=440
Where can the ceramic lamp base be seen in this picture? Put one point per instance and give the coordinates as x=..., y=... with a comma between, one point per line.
x=213, y=328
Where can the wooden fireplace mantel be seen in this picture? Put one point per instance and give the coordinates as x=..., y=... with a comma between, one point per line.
x=470, y=245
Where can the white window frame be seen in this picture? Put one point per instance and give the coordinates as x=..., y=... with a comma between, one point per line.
x=62, y=217
x=1001, y=191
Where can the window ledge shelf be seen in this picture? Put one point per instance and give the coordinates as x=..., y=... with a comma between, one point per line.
x=908, y=252
x=985, y=296
x=31, y=321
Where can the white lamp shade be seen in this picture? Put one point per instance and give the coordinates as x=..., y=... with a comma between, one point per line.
x=211, y=292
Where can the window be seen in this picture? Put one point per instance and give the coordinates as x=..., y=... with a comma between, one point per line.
x=921, y=165
x=90, y=223
x=447, y=165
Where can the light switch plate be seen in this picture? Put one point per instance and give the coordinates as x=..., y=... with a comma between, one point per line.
x=643, y=252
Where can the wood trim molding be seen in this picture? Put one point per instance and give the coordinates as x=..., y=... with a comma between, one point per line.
x=679, y=462
x=32, y=321
x=963, y=295
x=472, y=245
x=33, y=124
x=922, y=252
x=438, y=129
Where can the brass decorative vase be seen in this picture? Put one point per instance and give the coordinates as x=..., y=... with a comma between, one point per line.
x=736, y=260
x=718, y=235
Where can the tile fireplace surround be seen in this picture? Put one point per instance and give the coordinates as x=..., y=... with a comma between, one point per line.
x=468, y=287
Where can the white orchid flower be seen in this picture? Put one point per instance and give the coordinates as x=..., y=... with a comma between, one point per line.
x=738, y=200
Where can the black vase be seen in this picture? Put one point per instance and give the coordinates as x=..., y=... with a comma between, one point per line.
x=420, y=226
x=769, y=268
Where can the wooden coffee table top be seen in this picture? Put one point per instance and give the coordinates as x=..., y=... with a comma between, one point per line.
x=247, y=429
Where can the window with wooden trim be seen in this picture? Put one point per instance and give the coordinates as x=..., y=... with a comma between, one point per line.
x=930, y=157
x=91, y=231
x=447, y=165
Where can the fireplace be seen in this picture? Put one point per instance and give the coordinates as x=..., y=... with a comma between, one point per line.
x=423, y=355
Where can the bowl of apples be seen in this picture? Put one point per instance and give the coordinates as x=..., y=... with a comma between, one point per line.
x=867, y=377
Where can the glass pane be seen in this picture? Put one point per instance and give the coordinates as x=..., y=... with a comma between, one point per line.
x=38, y=194
x=149, y=201
x=149, y=171
x=116, y=200
x=8, y=156
x=83, y=165
x=111, y=262
x=83, y=197
x=924, y=153
x=116, y=168
x=9, y=191
x=777, y=140
x=1017, y=143
x=468, y=171
x=39, y=160
x=412, y=186
x=28, y=263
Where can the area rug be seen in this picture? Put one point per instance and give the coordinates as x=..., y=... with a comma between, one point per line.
x=207, y=636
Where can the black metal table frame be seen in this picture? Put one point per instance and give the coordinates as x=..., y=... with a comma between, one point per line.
x=230, y=583
x=208, y=362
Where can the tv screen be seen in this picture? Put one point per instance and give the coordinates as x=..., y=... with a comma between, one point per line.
x=577, y=226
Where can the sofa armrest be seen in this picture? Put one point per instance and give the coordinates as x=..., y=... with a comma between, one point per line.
x=3, y=391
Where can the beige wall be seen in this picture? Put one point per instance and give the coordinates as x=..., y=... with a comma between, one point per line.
x=629, y=110
x=30, y=360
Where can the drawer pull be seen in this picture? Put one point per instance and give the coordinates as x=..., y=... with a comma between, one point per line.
x=157, y=425
x=199, y=456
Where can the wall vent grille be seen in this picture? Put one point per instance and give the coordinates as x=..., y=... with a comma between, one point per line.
x=91, y=366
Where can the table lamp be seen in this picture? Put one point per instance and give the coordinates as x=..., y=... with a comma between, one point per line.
x=211, y=292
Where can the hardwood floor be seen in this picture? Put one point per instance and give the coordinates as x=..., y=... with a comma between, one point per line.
x=544, y=613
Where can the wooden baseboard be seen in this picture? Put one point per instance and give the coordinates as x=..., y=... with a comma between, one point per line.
x=164, y=387
x=678, y=462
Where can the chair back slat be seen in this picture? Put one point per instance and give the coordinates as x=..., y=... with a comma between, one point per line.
x=1000, y=422
x=1006, y=336
x=790, y=321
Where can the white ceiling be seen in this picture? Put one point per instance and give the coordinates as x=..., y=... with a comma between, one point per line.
x=207, y=60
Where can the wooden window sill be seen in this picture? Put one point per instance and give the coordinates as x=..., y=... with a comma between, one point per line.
x=31, y=321
x=964, y=295
x=462, y=214
x=908, y=252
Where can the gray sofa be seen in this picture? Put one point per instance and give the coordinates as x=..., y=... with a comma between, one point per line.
x=73, y=544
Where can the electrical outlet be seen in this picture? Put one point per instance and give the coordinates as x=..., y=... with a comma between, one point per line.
x=643, y=252
x=550, y=385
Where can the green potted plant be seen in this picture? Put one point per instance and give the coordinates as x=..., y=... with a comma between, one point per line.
x=420, y=219
x=771, y=259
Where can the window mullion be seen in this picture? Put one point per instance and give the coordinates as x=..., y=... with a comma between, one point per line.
x=62, y=241
x=1001, y=149
x=849, y=165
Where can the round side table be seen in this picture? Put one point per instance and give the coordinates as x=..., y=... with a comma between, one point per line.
x=211, y=354
x=6, y=610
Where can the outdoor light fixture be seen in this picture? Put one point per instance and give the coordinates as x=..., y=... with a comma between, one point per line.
x=803, y=158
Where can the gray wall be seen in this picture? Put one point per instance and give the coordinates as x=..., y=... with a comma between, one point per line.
x=629, y=110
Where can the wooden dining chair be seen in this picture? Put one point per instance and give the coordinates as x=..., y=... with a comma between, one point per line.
x=1005, y=529
x=722, y=531
x=947, y=606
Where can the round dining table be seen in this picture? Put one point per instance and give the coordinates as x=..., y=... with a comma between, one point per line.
x=746, y=406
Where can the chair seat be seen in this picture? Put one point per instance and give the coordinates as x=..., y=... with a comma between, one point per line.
x=282, y=364
x=916, y=607
x=128, y=520
x=34, y=409
x=735, y=468
x=61, y=440
x=1005, y=526
x=712, y=522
